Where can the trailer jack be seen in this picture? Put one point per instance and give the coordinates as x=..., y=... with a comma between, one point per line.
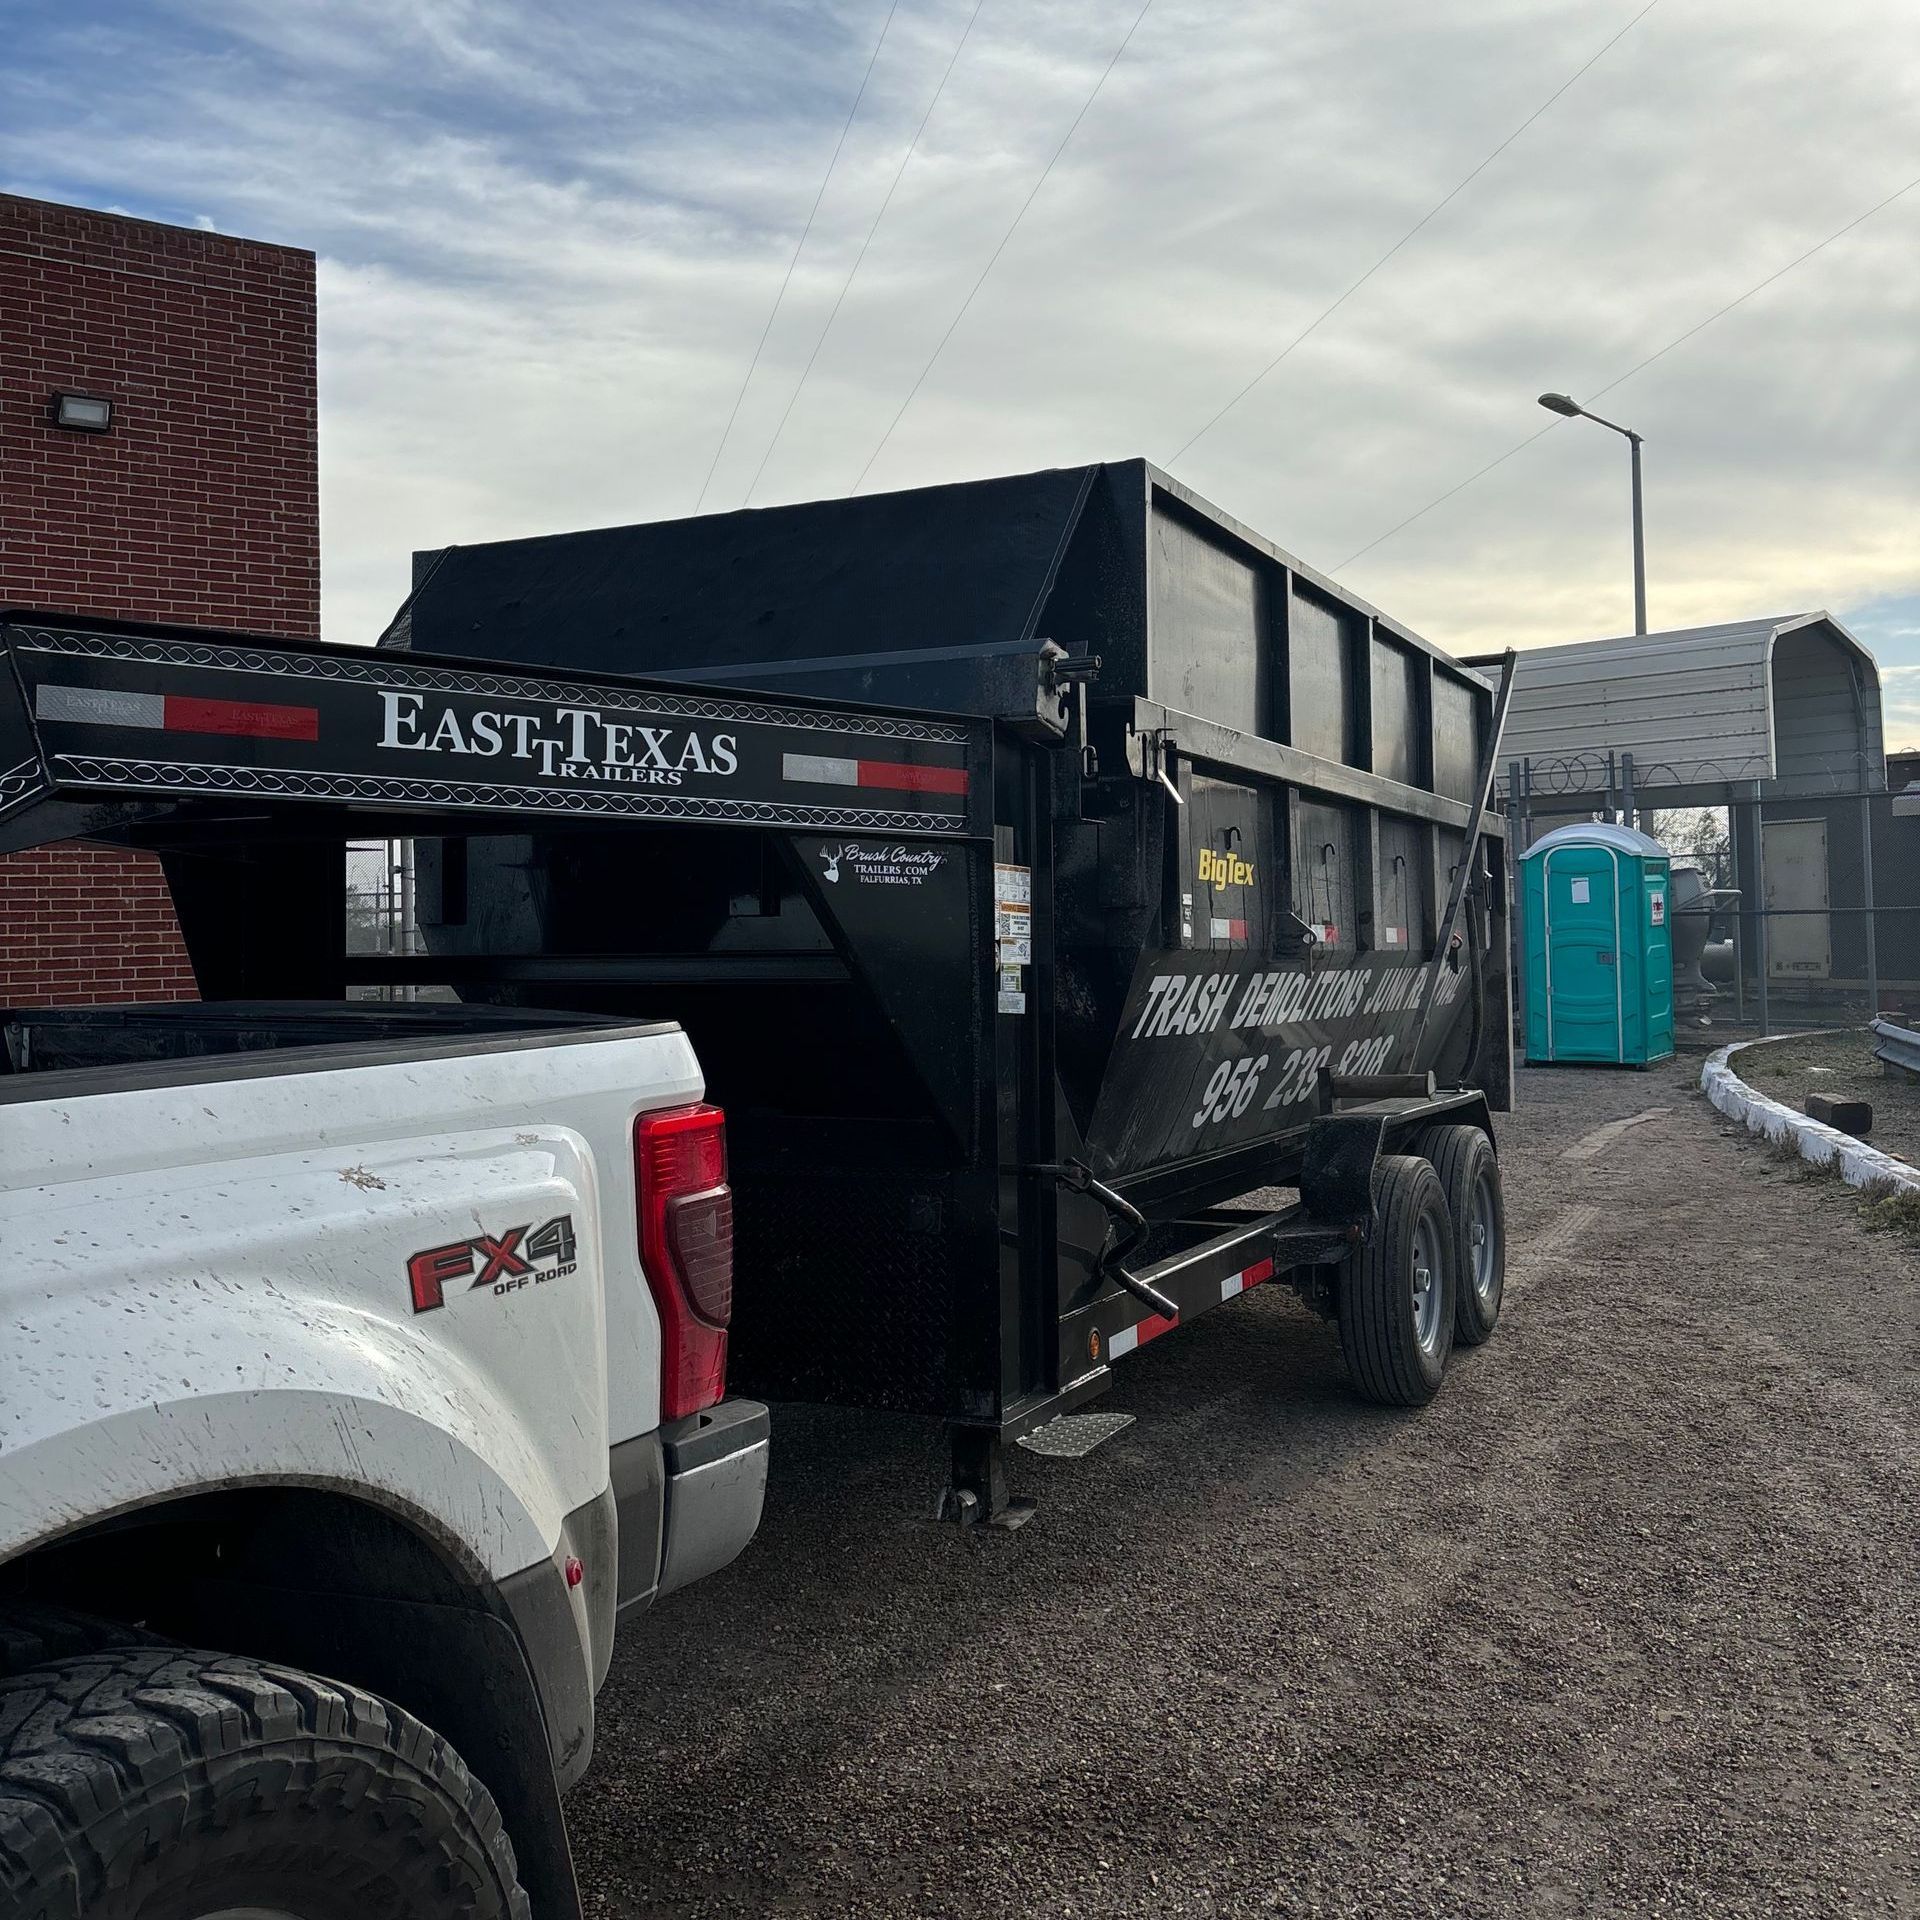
x=976, y=1495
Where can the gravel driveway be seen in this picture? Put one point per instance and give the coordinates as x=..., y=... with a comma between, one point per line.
x=1627, y=1622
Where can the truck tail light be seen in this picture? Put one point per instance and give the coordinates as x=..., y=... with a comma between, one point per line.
x=686, y=1248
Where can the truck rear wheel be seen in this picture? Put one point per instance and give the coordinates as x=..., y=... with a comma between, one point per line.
x=154, y=1783
x=1396, y=1296
x=1469, y=1170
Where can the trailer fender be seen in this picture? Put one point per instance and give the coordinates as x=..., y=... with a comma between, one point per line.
x=1336, y=1174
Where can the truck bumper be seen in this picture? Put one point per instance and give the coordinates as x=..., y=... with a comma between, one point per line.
x=716, y=1482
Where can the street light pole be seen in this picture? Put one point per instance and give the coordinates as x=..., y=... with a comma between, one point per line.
x=1639, y=544
x=1572, y=409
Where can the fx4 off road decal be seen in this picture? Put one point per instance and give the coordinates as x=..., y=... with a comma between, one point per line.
x=520, y=1257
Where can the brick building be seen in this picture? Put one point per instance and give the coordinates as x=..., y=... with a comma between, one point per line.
x=197, y=501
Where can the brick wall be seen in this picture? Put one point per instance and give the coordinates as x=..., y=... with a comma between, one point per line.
x=200, y=506
x=89, y=924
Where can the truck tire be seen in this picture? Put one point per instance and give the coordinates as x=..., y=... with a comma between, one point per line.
x=32, y=1633
x=156, y=1783
x=1469, y=1170
x=1396, y=1295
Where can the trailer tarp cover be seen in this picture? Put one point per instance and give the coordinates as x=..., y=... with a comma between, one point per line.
x=960, y=566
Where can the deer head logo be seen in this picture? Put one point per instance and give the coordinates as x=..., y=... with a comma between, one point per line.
x=833, y=860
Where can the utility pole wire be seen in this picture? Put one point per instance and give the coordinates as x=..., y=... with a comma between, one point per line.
x=847, y=284
x=786, y=278
x=1437, y=207
x=1639, y=366
x=992, y=258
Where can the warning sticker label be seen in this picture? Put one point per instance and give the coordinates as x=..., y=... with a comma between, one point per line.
x=1012, y=932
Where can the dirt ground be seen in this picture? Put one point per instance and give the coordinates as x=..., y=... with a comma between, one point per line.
x=1627, y=1622
x=1839, y=1064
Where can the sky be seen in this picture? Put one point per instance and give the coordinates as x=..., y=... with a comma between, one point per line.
x=550, y=236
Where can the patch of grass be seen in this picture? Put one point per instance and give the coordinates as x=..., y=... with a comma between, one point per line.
x=1785, y=1154
x=1891, y=1209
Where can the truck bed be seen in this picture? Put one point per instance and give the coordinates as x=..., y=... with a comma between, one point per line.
x=116, y=1048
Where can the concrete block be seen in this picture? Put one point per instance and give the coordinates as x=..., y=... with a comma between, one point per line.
x=1849, y=1116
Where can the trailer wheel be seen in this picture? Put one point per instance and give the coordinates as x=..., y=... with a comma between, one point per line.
x=1396, y=1297
x=1469, y=1170
x=154, y=1783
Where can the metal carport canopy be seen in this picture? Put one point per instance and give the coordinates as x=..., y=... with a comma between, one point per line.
x=1702, y=707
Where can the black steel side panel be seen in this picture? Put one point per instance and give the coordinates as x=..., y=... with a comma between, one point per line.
x=955, y=566
x=853, y=1284
x=1220, y=1050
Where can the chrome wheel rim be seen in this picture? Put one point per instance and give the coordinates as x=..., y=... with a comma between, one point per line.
x=1426, y=1285
x=1484, y=1231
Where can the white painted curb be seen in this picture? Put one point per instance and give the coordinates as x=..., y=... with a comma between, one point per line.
x=1860, y=1165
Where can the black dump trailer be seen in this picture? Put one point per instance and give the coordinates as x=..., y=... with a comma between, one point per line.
x=1038, y=866
x=1193, y=894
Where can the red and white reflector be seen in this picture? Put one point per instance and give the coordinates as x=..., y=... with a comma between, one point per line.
x=1246, y=1279
x=1121, y=1344
x=1229, y=929
x=1137, y=1335
x=898, y=776
x=174, y=713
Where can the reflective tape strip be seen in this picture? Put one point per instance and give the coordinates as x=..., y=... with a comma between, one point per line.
x=1229, y=929
x=1246, y=1279
x=1137, y=1335
x=904, y=778
x=249, y=718
x=820, y=770
x=174, y=713
x=99, y=707
x=828, y=770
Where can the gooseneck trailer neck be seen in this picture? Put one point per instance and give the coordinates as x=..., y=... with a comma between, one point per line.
x=1010, y=983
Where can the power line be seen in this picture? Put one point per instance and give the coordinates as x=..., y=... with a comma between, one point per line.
x=1638, y=366
x=786, y=278
x=940, y=346
x=1437, y=207
x=846, y=285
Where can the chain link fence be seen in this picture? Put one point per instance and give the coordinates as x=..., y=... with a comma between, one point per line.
x=1805, y=908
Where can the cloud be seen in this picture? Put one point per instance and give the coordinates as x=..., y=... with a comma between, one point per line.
x=549, y=239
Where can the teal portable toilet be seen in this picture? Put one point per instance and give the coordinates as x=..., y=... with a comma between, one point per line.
x=1599, y=949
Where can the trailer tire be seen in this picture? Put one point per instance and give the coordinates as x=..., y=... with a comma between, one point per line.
x=1396, y=1327
x=1469, y=1170
x=156, y=1783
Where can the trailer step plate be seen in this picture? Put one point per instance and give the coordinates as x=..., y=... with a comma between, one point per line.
x=1072, y=1436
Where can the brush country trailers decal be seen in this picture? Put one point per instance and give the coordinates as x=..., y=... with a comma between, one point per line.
x=1215, y=1056
x=196, y=718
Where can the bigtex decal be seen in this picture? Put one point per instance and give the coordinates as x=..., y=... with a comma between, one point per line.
x=565, y=743
x=1224, y=869
x=520, y=1257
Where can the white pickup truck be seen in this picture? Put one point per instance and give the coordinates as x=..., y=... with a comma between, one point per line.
x=380, y=1343
x=377, y=1338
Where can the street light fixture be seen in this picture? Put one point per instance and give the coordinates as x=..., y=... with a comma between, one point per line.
x=1572, y=409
